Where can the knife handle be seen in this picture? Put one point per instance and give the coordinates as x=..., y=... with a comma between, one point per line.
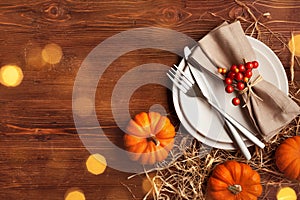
x=238, y=140
x=245, y=131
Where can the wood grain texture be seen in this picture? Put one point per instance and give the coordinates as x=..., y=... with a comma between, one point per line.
x=47, y=158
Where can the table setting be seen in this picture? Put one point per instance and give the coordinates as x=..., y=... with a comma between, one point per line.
x=267, y=132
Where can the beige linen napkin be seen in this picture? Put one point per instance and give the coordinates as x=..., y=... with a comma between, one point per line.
x=227, y=45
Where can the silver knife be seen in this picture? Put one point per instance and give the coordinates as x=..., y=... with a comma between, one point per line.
x=202, y=82
x=208, y=95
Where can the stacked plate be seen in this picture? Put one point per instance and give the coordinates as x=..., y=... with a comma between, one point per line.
x=202, y=122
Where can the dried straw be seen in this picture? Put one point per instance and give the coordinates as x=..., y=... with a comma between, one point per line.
x=186, y=177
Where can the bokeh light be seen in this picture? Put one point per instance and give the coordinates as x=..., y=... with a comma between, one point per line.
x=96, y=164
x=294, y=44
x=74, y=194
x=34, y=56
x=11, y=75
x=52, y=53
x=148, y=185
x=286, y=193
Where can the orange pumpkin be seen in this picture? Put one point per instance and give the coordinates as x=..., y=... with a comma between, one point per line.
x=234, y=181
x=149, y=137
x=288, y=157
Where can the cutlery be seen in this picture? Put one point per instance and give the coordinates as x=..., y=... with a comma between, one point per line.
x=202, y=83
x=188, y=86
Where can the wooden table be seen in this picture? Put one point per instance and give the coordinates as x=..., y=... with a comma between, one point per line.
x=41, y=155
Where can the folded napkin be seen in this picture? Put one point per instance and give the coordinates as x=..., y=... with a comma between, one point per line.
x=269, y=108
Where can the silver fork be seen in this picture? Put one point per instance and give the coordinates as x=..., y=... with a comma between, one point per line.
x=187, y=85
x=184, y=83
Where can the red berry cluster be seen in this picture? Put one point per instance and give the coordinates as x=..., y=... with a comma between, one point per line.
x=237, y=77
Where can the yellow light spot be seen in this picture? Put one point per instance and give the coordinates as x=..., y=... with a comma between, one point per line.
x=52, y=53
x=96, y=164
x=74, y=194
x=149, y=185
x=294, y=45
x=34, y=56
x=11, y=75
x=286, y=193
x=83, y=106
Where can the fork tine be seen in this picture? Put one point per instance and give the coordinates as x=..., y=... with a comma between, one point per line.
x=179, y=86
x=184, y=74
x=180, y=79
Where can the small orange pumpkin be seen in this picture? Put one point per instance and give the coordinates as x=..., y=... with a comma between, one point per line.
x=149, y=137
x=288, y=158
x=234, y=181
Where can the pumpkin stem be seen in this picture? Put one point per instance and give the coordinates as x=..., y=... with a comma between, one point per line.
x=235, y=189
x=154, y=140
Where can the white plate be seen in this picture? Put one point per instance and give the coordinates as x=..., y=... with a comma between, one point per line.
x=203, y=123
